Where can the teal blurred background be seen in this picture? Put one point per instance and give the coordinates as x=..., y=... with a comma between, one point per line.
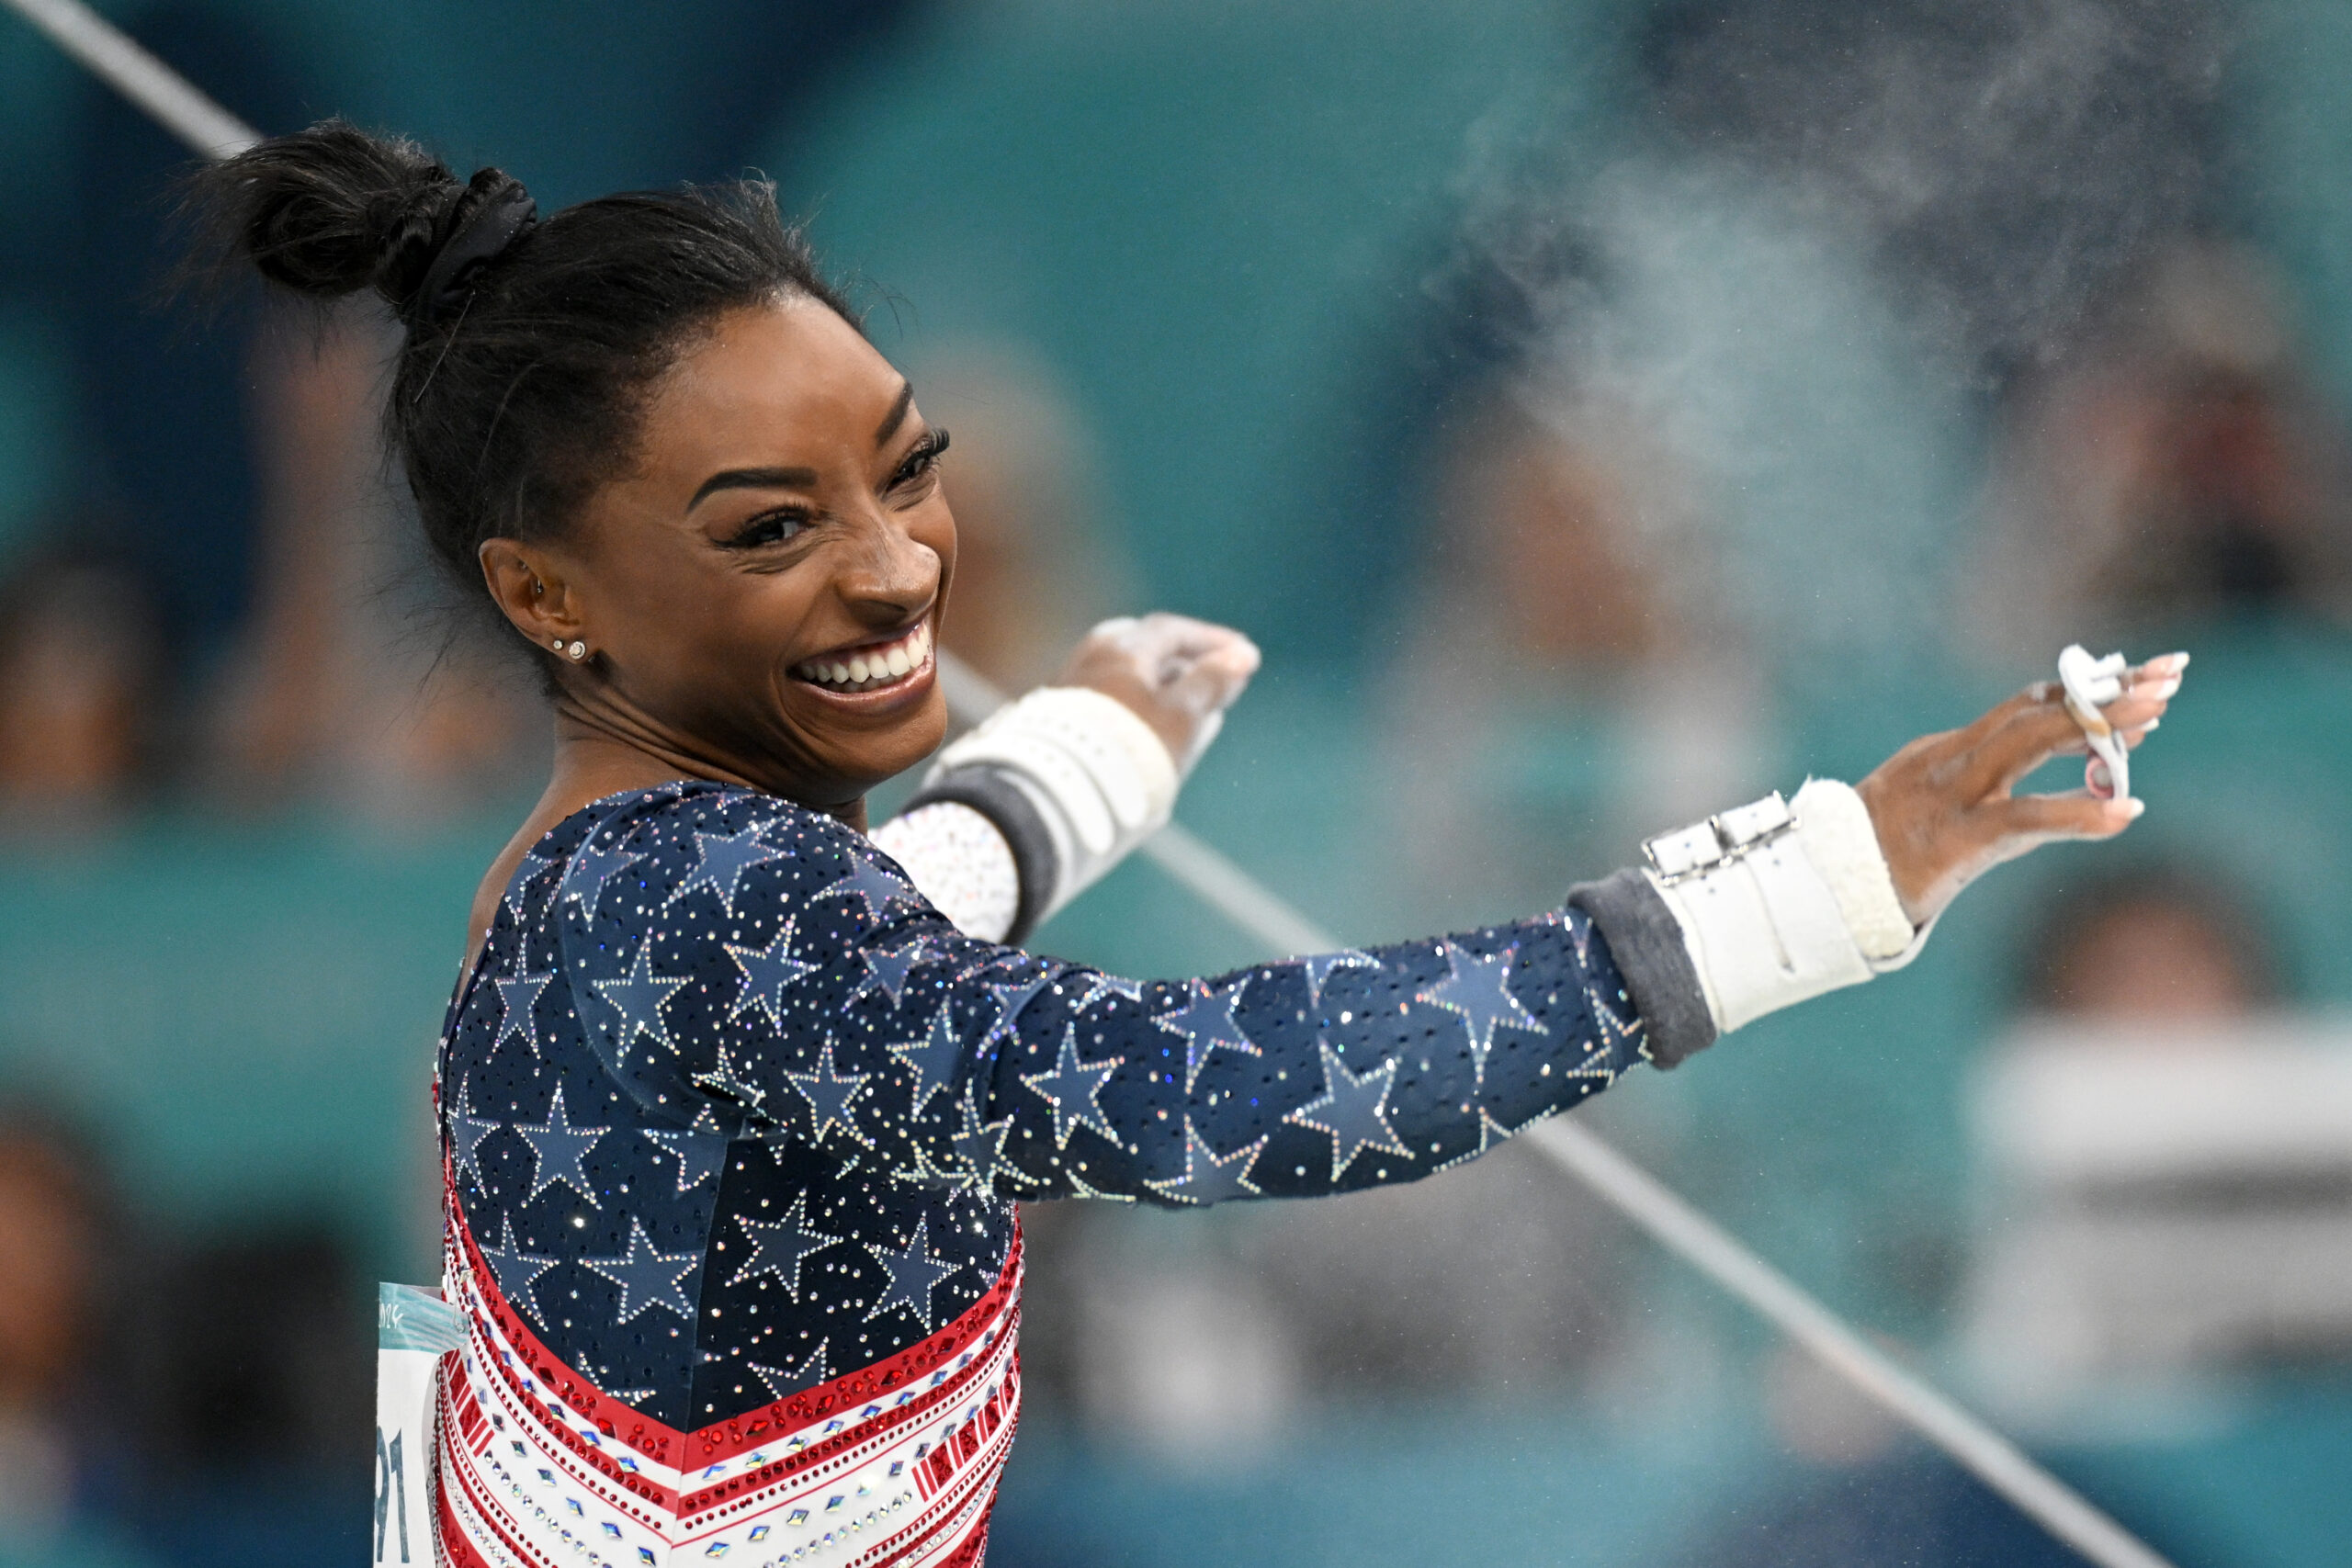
x=1393, y=332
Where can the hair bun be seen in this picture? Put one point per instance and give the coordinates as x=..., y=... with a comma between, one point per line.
x=331, y=210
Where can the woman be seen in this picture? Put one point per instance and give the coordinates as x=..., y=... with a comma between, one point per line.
x=734, y=1115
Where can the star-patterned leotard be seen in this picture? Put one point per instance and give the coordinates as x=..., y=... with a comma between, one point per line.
x=734, y=1122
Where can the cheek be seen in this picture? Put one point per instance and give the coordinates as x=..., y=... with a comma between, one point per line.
x=933, y=528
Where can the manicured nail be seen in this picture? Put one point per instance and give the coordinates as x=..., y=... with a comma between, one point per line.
x=2132, y=808
x=2151, y=725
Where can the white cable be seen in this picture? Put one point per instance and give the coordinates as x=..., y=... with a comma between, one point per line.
x=1235, y=894
x=114, y=58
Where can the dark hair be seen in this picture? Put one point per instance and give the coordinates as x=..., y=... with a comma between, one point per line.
x=509, y=407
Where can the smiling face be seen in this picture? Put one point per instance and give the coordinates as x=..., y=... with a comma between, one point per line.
x=762, y=590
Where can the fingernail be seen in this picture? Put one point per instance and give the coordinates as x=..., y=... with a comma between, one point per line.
x=2151, y=723
x=2132, y=808
x=2177, y=660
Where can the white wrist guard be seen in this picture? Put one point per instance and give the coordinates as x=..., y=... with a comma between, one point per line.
x=1098, y=777
x=1780, y=901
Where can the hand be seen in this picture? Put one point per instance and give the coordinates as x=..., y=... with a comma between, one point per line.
x=1942, y=807
x=1177, y=674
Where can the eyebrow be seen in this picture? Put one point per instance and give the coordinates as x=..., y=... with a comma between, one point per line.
x=898, y=413
x=754, y=478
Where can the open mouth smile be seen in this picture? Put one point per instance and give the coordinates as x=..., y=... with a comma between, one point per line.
x=882, y=666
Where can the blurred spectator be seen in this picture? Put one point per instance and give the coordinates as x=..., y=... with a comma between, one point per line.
x=2150, y=946
x=1036, y=562
x=59, y=1267
x=253, y=1355
x=2168, y=1152
x=1566, y=682
x=356, y=678
x=170, y=454
x=79, y=684
x=2180, y=468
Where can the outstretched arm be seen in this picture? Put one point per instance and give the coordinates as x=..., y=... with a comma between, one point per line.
x=848, y=1013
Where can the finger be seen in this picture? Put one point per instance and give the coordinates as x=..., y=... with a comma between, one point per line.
x=1980, y=729
x=2029, y=736
x=2039, y=818
x=1216, y=678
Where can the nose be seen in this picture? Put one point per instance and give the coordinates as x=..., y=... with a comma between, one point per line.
x=890, y=575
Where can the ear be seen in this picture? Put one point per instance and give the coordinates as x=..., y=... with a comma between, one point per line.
x=532, y=590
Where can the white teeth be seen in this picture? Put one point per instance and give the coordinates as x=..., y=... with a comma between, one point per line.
x=873, y=666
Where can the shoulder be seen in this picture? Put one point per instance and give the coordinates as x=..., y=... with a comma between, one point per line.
x=695, y=852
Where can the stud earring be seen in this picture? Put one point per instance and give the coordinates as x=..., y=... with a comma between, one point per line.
x=577, y=651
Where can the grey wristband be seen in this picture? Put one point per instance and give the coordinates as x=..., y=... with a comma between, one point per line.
x=996, y=797
x=1646, y=941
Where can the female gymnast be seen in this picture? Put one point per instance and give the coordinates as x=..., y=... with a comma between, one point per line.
x=735, y=1097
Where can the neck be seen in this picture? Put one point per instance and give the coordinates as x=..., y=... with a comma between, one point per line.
x=594, y=758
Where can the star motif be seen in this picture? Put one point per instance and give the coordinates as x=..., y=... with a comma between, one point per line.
x=697, y=1154
x=1012, y=998
x=1206, y=1022
x=878, y=887
x=1319, y=969
x=1352, y=1109
x=1079, y=1188
x=586, y=877
x=980, y=1145
x=913, y=1274
x=1073, y=1089
x=923, y=1173
x=1622, y=1040
x=766, y=971
x=829, y=1094
x=558, y=1148
x=1490, y=1132
x=725, y=858
x=780, y=1249
x=784, y=1381
x=724, y=1080
x=649, y=1279
x=466, y=1132
x=516, y=1271
x=517, y=998
x=933, y=1058
x=1207, y=1178
x=889, y=972
x=637, y=998
x=1478, y=990
x=1099, y=985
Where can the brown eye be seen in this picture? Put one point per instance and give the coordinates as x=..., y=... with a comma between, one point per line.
x=769, y=528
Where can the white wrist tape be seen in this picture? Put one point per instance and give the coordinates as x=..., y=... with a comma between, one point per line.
x=1780, y=902
x=1099, y=778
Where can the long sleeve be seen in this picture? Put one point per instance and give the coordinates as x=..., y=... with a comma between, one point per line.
x=763, y=965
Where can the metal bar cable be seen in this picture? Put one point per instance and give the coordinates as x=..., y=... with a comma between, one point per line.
x=1217, y=882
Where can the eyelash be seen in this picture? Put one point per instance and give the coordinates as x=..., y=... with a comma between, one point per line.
x=775, y=527
x=923, y=460
x=770, y=528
